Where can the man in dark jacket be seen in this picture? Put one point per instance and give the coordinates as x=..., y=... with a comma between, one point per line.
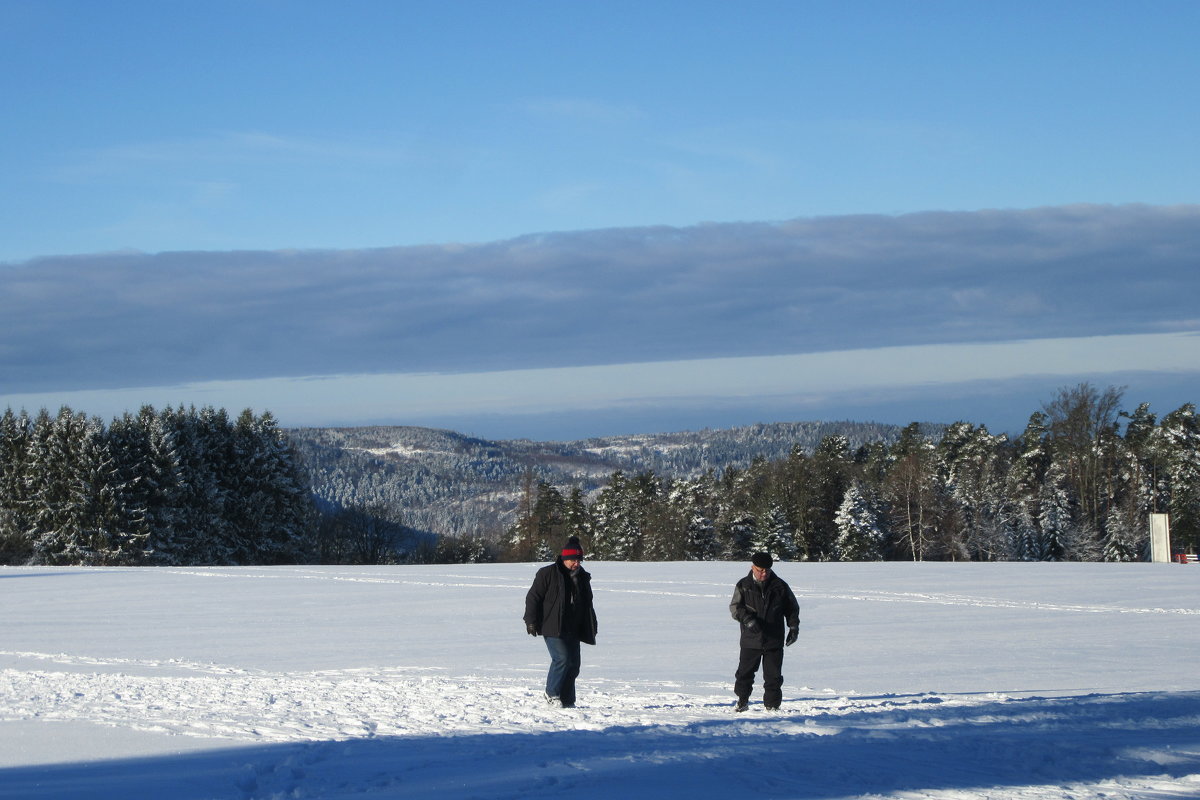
x=761, y=603
x=559, y=607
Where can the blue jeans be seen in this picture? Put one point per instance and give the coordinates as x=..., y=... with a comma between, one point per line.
x=564, y=668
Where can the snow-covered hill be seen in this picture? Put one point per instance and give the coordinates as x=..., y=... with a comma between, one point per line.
x=450, y=483
x=910, y=680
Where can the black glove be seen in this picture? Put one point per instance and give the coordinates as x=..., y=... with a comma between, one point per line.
x=750, y=624
x=793, y=635
x=531, y=629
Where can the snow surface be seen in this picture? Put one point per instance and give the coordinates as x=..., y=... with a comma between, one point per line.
x=909, y=680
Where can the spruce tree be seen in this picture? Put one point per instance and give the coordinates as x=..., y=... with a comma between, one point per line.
x=861, y=535
x=1123, y=535
x=1181, y=441
x=692, y=505
x=59, y=493
x=614, y=533
x=776, y=535
x=16, y=505
x=1054, y=519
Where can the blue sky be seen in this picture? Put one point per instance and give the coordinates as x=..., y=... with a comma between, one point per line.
x=416, y=206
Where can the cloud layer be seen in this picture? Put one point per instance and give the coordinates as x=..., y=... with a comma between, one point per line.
x=600, y=297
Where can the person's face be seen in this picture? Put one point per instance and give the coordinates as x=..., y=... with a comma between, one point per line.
x=760, y=573
x=570, y=563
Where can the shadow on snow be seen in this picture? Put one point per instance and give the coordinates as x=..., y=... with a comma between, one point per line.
x=916, y=743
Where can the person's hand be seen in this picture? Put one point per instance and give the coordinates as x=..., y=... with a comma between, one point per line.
x=793, y=635
x=750, y=624
x=531, y=629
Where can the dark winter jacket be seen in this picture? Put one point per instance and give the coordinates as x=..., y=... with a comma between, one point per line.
x=560, y=605
x=769, y=604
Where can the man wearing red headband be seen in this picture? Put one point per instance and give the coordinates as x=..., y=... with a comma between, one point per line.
x=559, y=608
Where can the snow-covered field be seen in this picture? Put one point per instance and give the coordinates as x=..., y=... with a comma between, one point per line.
x=909, y=680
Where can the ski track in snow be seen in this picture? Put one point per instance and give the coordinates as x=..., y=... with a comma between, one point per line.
x=924, y=598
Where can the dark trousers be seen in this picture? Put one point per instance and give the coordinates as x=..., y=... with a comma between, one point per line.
x=564, y=668
x=772, y=667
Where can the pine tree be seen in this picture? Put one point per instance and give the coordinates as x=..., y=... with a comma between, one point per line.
x=107, y=526
x=134, y=487
x=615, y=535
x=861, y=536
x=691, y=507
x=832, y=470
x=737, y=520
x=1123, y=536
x=159, y=466
x=738, y=536
x=1026, y=540
x=16, y=434
x=1031, y=459
x=1181, y=441
x=549, y=518
x=1055, y=518
x=58, y=495
x=273, y=506
x=776, y=535
x=973, y=469
x=1144, y=466
x=577, y=517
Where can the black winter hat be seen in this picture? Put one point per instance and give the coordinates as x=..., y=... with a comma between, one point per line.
x=573, y=549
x=762, y=560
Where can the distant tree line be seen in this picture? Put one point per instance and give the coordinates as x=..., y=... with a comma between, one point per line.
x=186, y=486
x=1072, y=486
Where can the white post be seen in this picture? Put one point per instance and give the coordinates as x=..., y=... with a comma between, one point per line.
x=1160, y=538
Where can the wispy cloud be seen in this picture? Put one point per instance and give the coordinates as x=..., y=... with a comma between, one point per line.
x=228, y=148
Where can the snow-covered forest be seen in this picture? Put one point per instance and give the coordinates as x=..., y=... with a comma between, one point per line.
x=450, y=484
x=1077, y=484
x=178, y=486
x=187, y=486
